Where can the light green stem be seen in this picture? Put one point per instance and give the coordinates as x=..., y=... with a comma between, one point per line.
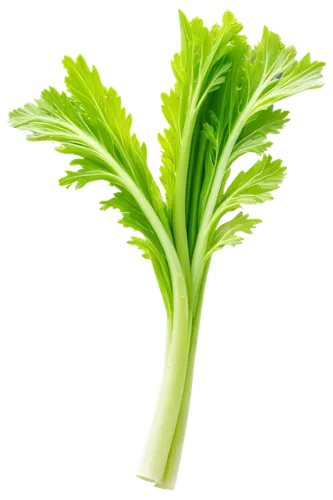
x=179, y=209
x=157, y=448
x=172, y=467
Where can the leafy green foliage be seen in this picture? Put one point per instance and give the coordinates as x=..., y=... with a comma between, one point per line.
x=56, y=117
x=92, y=125
x=103, y=106
x=257, y=137
x=226, y=233
x=91, y=171
x=253, y=138
x=253, y=186
x=277, y=74
x=220, y=109
x=133, y=216
x=239, y=116
x=199, y=69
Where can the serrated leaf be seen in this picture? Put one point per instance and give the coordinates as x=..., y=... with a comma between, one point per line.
x=105, y=109
x=132, y=215
x=255, y=185
x=91, y=171
x=226, y=233
x=270, y=57
x=216, y=77
x=253, y=138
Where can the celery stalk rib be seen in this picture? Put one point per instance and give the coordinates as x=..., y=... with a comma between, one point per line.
x=172, y=467
x=157, y=448
x=173, y=409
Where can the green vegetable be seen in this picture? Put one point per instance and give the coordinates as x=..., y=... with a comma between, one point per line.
x=220, y=108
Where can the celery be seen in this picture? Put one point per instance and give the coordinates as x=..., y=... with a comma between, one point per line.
x=220, y=108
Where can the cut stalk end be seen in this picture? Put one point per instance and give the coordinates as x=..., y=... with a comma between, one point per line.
x=157, y=485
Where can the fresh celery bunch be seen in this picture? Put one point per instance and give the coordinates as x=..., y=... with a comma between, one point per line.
x=220, y=108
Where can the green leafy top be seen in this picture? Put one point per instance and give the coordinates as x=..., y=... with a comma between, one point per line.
x=92, y=125
x=199, y=69
x=236, y=118
x=222, y=106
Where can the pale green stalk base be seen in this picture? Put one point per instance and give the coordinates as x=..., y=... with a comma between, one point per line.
x=161, y=433
x=164, y=451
